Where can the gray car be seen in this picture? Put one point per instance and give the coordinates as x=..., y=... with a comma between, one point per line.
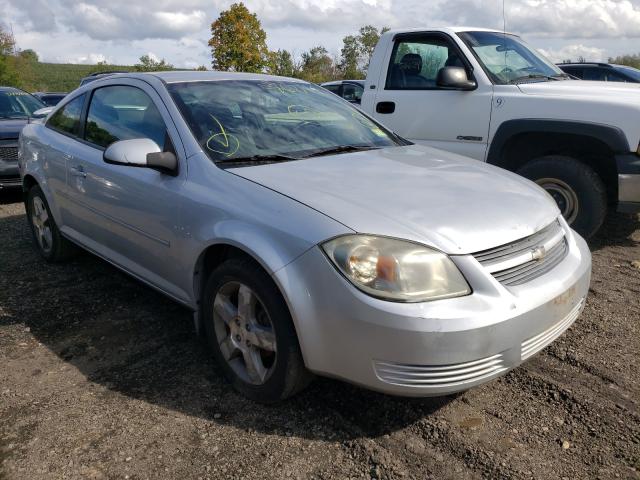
x=304, y=236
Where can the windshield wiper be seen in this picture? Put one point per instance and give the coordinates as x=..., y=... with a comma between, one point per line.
x=254, y=160
x=340, y=149
x=532, y=76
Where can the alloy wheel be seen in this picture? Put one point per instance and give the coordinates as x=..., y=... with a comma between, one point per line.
x=244, y=332
x=41, y=224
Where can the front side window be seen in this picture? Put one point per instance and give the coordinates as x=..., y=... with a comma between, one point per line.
x=416, y=61
x=508, y=60
x=634, y=73
x=595, y=74
x=352, y=92
x=18, y=104
x=67, y=119
x=333, y=88
x=236, y=120
x=122, y=112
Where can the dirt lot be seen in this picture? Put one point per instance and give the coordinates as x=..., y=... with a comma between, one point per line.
x=101, y=377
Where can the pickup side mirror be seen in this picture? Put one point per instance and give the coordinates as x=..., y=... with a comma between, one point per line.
x=454, y=78
x=141, y=152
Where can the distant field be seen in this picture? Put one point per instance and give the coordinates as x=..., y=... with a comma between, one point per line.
x=60, y=77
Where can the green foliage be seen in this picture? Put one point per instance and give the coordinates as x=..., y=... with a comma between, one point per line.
x=357, y=50
x=317, y=66
x=29, y=55
x=8, y=71
x=61, y=77
x=148, y=64
x=630, y=60
x=281, y=63
x=238, y=42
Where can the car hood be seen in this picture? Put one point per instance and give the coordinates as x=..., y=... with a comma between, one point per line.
x=452, y=203
x=582, y=88
x=11, y=128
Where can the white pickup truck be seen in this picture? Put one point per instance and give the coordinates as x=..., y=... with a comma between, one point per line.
x=487, y=95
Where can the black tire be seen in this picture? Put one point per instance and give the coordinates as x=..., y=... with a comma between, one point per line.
x=565, y=178
x=288, y=374
x=58, y=248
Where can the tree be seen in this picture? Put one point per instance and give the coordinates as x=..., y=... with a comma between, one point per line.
x=350, y=57
x=150, y=64
x=628, y=60
x=317, y=65
x=29, y=55
x=238, y=42
x=8, y=71
x=357, y=50
x=281, y=63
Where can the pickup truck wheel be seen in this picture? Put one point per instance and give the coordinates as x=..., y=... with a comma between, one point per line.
x=250, y=331
x=51, y=245
x=576, y=188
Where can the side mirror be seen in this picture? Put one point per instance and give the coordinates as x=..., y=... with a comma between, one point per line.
x=141, y=152
x=454, y=78
x=42, y=112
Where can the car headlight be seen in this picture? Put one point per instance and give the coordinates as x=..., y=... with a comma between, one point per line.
x=396, y=270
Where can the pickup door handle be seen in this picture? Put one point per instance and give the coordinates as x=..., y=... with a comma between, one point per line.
x=78, y=172
x=386, y=107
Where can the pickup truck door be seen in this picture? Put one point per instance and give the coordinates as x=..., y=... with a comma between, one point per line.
x=409, y=102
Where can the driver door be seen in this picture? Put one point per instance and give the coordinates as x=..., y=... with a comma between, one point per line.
x=412, y=105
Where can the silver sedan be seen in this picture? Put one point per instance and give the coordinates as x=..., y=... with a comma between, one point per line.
x=305, y=237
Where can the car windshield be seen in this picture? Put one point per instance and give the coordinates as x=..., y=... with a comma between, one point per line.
x=18, y=104
x=630, y=71
x=508, y=60
x=244, y=120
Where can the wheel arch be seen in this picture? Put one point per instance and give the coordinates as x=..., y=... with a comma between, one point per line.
x=518, y=141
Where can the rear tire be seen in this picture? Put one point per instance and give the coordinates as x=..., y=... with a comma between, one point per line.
x=251, y=333
x=49, y=242
x=577, y=189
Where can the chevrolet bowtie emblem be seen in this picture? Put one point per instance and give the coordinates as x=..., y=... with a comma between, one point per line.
x=538, y=253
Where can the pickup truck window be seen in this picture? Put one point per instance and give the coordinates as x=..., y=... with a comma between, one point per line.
x=508, y=60
x=416, y=60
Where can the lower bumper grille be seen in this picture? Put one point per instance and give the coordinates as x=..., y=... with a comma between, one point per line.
x=439, y=375
x=9, y=154
x=537, y=343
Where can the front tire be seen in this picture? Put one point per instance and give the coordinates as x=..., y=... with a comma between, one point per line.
x=250, y=331
x=49, y=242
x=577, y=189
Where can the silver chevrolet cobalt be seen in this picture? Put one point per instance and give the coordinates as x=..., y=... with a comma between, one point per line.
x=305, y=236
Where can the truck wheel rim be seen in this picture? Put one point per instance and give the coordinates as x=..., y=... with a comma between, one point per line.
x=244, y=332
x=41, y=224
x=565, y=197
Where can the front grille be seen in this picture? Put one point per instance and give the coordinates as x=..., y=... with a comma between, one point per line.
x=521, y=261
x=436, y=376
x=9, y=154
x=537, y=343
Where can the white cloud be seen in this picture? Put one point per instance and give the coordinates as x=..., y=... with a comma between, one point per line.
x=178, y=30
x=90, y=59
x=575, y=52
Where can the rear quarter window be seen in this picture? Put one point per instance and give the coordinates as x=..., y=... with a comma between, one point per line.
x=67, y=119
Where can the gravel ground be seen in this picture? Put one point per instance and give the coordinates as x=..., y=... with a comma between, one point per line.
x=101, y=377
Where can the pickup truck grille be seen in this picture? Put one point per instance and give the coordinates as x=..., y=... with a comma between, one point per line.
x=523, y=260
x=9, y=154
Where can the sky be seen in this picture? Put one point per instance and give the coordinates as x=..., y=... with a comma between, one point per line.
x=120, y=31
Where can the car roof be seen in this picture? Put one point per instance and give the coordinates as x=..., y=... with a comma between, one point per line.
x=11, y=89
x=582, y=64
x=179, y=76
x=450, y=30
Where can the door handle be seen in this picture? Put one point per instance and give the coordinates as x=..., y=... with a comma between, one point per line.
x=78, y=172
x=386, y=107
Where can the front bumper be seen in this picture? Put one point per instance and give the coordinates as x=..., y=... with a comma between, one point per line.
x=431, y=348
x=9, y=173
x=628, y=183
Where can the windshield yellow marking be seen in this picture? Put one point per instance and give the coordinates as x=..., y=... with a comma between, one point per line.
x=226, y=141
